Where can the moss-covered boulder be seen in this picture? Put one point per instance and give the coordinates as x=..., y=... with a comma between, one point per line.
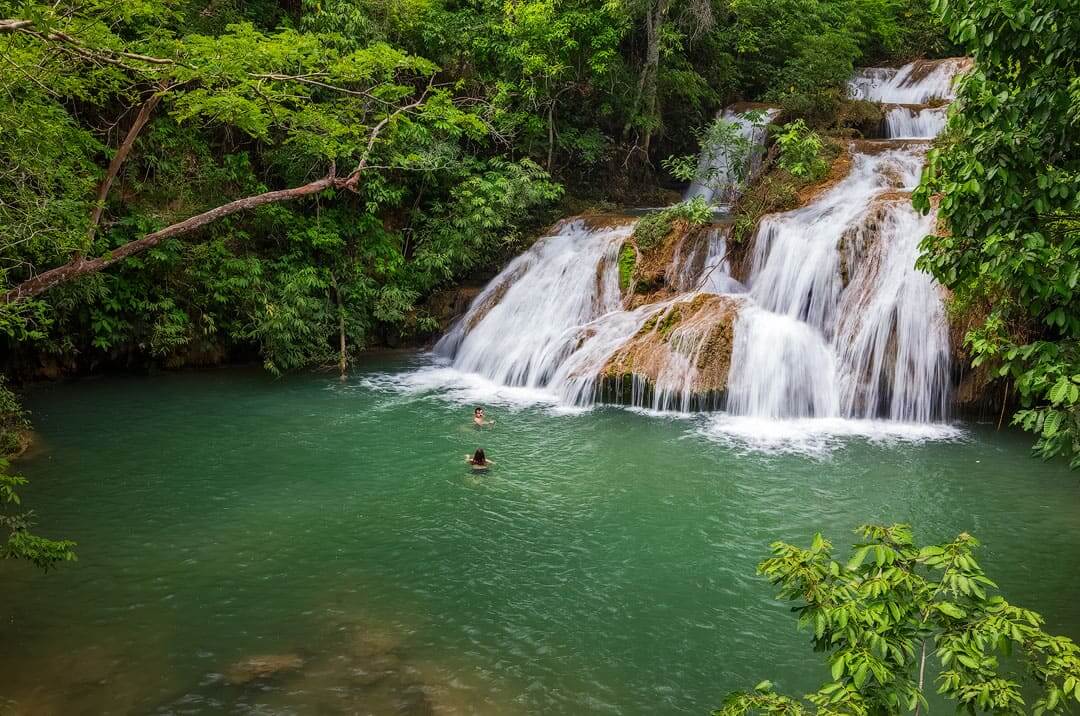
x=683, y=352
x=652, y=272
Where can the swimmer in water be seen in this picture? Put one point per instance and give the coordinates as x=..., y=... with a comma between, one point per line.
x=479, y=420
x=478, y=459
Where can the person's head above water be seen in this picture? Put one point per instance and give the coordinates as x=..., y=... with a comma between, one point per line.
x=479, y=412
x=479, y=458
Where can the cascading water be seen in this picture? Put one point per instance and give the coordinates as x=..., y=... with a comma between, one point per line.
x=781, y=368
x=892, y=336
x=705, y=265
x=918, y=82
x=796, y=263
x=719, y=173
x=834, y=321
x=907, y=122
x=525, y=324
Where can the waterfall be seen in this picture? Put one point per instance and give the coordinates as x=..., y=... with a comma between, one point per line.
x=551, y=317
x=719, y=172
x=915, y=83
x=705, y=266
x=520, y=329
x=796, y=262
x=781, y=368
x=905, y=122
x=892, y=337
x=831, y=322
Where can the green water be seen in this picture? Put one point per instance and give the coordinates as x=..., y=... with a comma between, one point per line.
x=604, y=565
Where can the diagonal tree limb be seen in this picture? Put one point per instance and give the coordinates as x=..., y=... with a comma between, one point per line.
x=354, y=175
x=82, y=266
x=122, y=152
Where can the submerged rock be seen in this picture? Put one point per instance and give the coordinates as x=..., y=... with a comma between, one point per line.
x=257, y=668
x=679, y=359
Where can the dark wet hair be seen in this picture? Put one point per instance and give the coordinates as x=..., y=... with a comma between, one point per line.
x=479, y=458
x=478, y=409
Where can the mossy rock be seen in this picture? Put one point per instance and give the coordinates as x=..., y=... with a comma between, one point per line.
x=706, y=328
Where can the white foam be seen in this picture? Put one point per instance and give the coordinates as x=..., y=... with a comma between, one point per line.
x=819, y=437
x=910, y=84
x=459, y=387
x=915, y=123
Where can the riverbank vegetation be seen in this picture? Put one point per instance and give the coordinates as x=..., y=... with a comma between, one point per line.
x=1006, y=178
x=15, y=523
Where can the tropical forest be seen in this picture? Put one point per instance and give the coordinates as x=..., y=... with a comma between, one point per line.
x=539, y=357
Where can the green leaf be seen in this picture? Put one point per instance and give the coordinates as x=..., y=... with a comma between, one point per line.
x=838, y=667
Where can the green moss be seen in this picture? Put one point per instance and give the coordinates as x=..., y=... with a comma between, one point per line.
x=777, y=191
x=671, y=319
x=627, y=263
x=652, y=228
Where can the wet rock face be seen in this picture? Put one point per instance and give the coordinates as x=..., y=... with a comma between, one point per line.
x=449, y=305
x=656, y=272
x=681, y=357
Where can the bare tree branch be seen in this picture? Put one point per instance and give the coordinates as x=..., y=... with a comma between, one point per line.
x=82, y=266
x=122, y=152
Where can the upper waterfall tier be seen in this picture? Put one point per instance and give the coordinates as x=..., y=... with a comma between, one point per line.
x=721, y=169
x=918, y=82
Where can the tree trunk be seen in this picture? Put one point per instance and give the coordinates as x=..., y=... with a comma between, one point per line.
x=551, y=134
x=81, y=266
x=645, y=97
x=922, y=671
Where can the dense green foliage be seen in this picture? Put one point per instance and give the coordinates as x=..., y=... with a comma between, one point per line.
x=1008, y=175
x=801, y=151
x=458, y=112
x=893, y=605
x=13, y=421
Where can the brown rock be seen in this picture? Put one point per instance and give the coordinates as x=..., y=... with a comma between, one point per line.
x=700, y=332
x=257, y=668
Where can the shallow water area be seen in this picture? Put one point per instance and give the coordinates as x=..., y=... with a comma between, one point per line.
x=250, y=545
